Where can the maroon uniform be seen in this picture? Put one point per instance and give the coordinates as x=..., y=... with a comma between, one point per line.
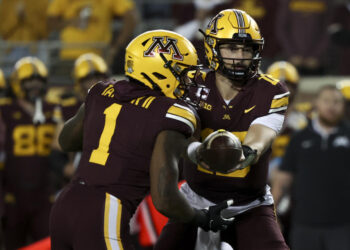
x=256, y=228
x=121, y=123
x=260, y=97
x=26, y=173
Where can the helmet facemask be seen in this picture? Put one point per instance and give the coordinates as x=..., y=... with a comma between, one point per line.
x=29, y=79
x=239, y=73
x=186, y=75
x=34, y=87
x=233, y=27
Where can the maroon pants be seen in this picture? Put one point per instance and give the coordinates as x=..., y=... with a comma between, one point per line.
x=26, y=218
x=252, y=230
x=84, y=218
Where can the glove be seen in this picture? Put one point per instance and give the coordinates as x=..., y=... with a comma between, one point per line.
x=211, y=219
x=250, y=156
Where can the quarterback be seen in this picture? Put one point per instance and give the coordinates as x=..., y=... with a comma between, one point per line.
x=250, y=105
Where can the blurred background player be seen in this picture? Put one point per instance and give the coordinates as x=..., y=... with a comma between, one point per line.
x=86, y=26
x=315, y=168
x=251, y=106
x=30, y=127
x=295, y=119
x=88, y=69
x=339, y=32
x=302, y=33
x=26, y=22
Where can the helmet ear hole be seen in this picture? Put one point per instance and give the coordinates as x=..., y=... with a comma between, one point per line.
x=159, y=76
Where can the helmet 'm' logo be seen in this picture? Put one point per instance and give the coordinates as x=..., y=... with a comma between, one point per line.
x=214, y=24
x=158, y=43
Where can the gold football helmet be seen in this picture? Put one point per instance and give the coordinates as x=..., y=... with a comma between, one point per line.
x=89, y=64
x=233, y=26
x=284, y=71
x=344, y=87
x=27, y=68
x=88, y=69
x=162, y=60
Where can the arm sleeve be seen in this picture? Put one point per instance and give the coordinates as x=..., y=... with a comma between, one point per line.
x=273, y=121
x=279, y=102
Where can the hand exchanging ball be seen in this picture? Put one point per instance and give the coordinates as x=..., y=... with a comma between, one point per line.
x=220, y=152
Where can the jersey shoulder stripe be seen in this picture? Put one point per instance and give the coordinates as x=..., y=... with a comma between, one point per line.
x=279, y=102
x=183, y=114
x=276, y=103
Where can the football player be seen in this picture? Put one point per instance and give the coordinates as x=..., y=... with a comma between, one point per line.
x=250, y=105
x=132, y=135
x=30, y=128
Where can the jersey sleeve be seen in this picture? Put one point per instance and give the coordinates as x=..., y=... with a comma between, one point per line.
x=181, y=118
x=280, y=100
x=273, y=103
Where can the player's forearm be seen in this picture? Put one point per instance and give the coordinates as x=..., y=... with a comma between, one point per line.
x=166, y=196
x=259, y=138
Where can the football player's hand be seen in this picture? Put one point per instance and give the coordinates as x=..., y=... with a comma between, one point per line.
x=211, y=219
x=194, y=155
x=250, y=156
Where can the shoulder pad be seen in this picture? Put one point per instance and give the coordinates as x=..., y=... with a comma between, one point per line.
x=183, y=114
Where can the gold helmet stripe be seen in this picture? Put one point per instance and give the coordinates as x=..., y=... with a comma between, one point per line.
x=240, y=21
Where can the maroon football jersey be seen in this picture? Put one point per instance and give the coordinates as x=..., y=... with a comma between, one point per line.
x=262, y=95
x=122, y=121
x=27, y=146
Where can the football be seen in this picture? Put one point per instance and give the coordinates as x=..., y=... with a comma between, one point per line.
x=220, y=151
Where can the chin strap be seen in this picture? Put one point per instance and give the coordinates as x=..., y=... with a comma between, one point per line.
x=38, y=116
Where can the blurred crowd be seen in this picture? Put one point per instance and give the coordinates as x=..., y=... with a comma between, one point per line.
x=39, y=37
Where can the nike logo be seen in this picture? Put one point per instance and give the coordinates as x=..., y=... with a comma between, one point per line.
x=250, y=109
